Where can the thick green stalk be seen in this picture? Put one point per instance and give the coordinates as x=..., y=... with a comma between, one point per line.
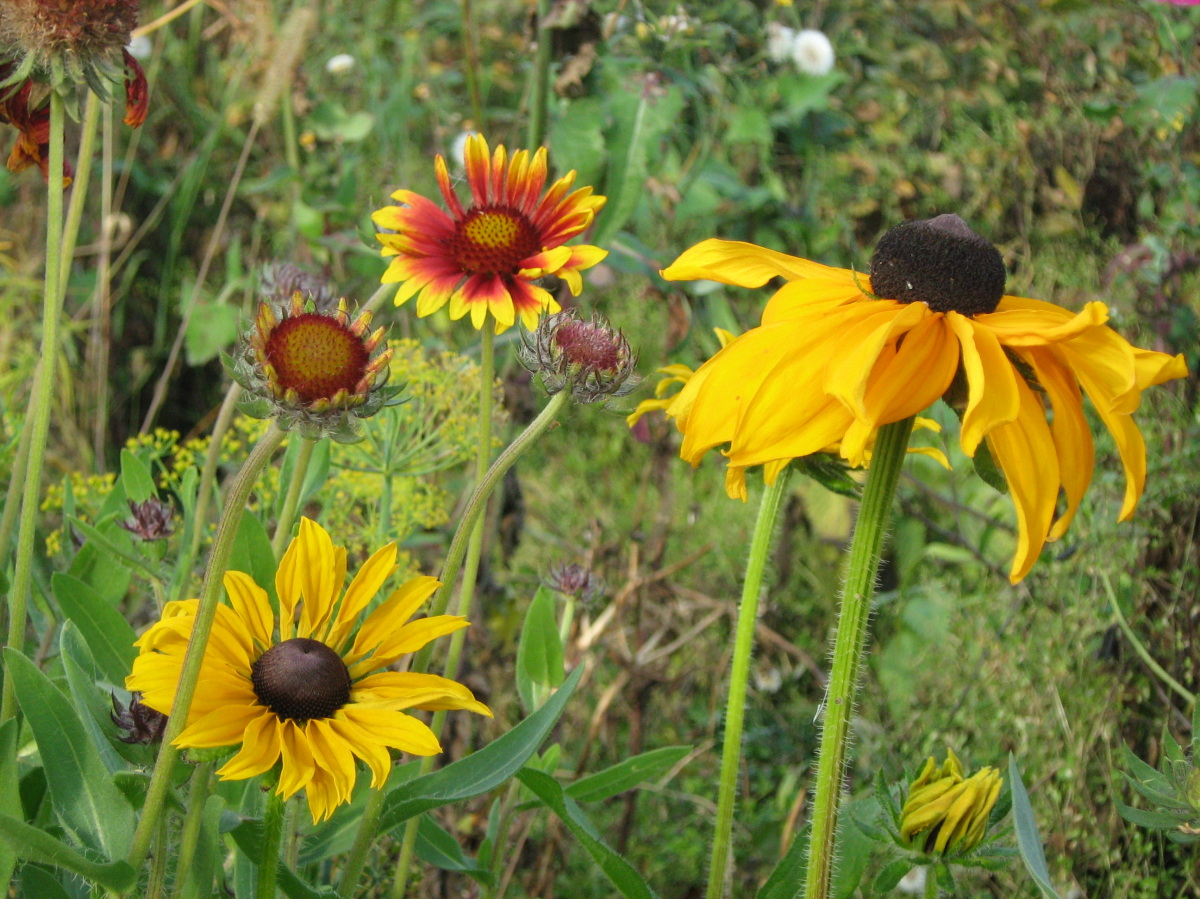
x=190, y=836
x=79, y=186
x=931, y=884
x=159, y=857
x=38, y=419
x=272, y=841
x=363, y=838
x=539, y=93
x=287, y=514
x=210, y=595
x=735, y=708
x=865, y=549
x=454, y=556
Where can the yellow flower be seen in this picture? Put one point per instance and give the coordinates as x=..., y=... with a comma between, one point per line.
x=837, y=355
x=945, y=812
x=310, y=692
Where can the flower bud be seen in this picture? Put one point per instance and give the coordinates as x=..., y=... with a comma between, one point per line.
x=946, y=813
x=591, y=359
x=574, y=580
x=152, y=519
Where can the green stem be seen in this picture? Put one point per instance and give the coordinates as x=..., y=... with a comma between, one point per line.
x=357, y=859
x=931, y=884
x=218, y=562
x=1140, y=648
x=291, y=502
x=38, y=418
x=12, y=500
x=272, y=840
x=454, y=556
x=158, y=861
x=204, y=493
x=865, y=549
x=190, y=836
x=735, y=709
x=471, y=64
x=79, y=186
x=539, y=94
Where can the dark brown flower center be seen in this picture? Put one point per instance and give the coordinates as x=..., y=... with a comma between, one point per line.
x=300, y=679
x=316, y=356
x=940, y=262
x=494, y=241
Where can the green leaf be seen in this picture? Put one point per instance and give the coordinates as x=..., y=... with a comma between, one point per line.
x=987, y=469
x=136, y=478
x=86, y=801
x=315, y=475
x=248, y=836
x=10, y=794
x=485, y=770
x=101, y=569
x=622, y=874
x=108, y=635
x=253, y=555
x=38, y=846
x=109, y=546
x=540, y=651
x=1143, y=818
x=786, y=880
x=854, y=848
x=627, y=774
x=214, y=325
x=89, y=700
x=41, y=883
x=1029, y=841
x=437, y=847
x=892, y=873
x=627, y=168
x=209, y=852
x=579, y=137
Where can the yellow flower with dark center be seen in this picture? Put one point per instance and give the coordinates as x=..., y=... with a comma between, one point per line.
x=489, y=257
x=837, y=355
x=945, y=812
x=318, y=371
x=310, y=692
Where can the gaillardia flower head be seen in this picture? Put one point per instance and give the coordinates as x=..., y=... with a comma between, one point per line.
x=317, y=372
x=591, y=359
x=945, y=813
x=837, y=355
x=488, y=258
x=311, y=690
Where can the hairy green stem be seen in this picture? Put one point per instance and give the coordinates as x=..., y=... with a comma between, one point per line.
x=291, y=502
x=272, y=840
x=38, y=418
x=739, y=677
x=190, y=836
x=218, y=561
x=1140, y=648
x=539, y=93
x=158, y=861
x=865, y=550
x=454, y=556
x=100, y=338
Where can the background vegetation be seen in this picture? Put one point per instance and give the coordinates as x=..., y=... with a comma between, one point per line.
x=1066, y=132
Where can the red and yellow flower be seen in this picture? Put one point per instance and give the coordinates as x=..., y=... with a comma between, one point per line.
x=489, y=257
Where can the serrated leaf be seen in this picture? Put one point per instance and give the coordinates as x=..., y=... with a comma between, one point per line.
x=627, y=774
x=620, y=873
x=485, y=770
x=1029, y=841
x=108, y=635
x=85, y=800
x=136, y=478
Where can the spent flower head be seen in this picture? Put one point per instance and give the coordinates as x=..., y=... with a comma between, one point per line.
x=812, y=52
x=574, y=580
x=591, y=359
x=138, y=722
x=152, y=519
x=315, y=372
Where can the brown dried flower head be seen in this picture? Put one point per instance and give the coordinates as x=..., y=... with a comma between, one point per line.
x=80, y=41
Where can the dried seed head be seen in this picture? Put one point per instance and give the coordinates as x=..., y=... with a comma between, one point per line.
x=152, y=519
x=591, y=358
x=139, y=723
x=574, y=580
x=940, y=262
x=301, y=679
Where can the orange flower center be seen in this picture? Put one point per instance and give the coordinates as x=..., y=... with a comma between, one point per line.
x=316, y=356
x=494, y=241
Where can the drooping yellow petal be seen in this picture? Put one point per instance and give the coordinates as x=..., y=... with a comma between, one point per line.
x=333, y=759
x=856, y=353
x=395, y=729
x=402, y=690
x=298, y=765
x=1018, y=321
x=260, y=750
x=743, y=264
x=252, y=606
x=992, y=397
x=222, y=726
x=1024, y=450
x=364, y=745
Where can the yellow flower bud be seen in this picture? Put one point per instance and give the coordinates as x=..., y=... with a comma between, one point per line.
x=944, y=811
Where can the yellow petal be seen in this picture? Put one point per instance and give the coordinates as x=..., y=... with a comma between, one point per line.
x=992, y=397
x=1018, y=321
x=333, y=758
x=252, y=606
x=743, y=264
x=370, y=578
x=402, y=690
x=1024, y=450
x=260, y=750
x=395, y=729
x=223, y=726
x=364, y=745
x=858, y=345
x=298, y=765
x=407, y=639
x=1069, y=428
x=391, y=615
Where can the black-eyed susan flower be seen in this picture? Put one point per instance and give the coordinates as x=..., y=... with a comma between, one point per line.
x=309, y=691
x=945, y=812
x=489, y=257
x=591, y=359
x=317, y=372
x=838, y=354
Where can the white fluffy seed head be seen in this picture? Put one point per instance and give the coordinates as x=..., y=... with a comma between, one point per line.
x=812, y=52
